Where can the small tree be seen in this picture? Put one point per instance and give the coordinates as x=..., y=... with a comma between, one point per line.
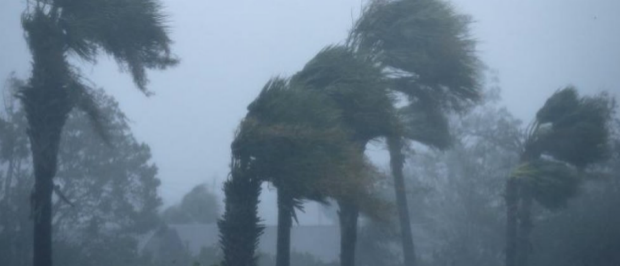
x=197, y=206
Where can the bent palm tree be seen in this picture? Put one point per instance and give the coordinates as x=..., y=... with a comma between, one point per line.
x=569, y=134
x=426, y=53
x=358, y=89
x=418, y=48
x=131, y=31
x=292, y=138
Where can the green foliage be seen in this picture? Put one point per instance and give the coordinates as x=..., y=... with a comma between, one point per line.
x=574, y=132
x=551, y=183
x=239, y=226
x=558, y=105
x=425, y=47
x=588, y=230
x=132, y=31
x=579, y=127
x=198, y=206
x=295, y=140
x=356, y=86
x=426, y=124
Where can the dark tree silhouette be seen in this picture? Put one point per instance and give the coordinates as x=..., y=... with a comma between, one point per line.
x=359, y=91
x=130, y=31
x=568, y=134
x=291, y=138
x=426, y=53
x=240, y=227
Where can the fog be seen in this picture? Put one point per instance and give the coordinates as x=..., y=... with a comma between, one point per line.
x=228, y=50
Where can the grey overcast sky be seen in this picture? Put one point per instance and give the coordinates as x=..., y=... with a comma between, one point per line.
x=229, y=49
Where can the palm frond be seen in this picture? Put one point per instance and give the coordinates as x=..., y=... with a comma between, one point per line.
x=426, y=124
x=550, y=183
x=425, y=46
x=579, y=127
x=281, y=102
x=356, y=85
x=296, y=138
x=558, y=105
x=132, y=31
x=84, y=98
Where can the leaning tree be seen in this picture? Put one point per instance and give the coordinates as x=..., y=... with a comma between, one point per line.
x=293, y=139
x=424, y=49
x=418, y=51
x=131, y=31
x=569, y=134
x=357, y=88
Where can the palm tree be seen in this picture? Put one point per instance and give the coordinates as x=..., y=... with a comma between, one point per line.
x=358, y=89
x=569, y=134
x=417, y=48
x=424, y=49
x=131, y=31
x=292, y=138
x=239, y=226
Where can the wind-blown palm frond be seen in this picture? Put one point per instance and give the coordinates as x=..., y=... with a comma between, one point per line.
x=280, y=102
x=558, y=105
x=84, y=100
x=296, y=139
x=579, y=127
x=570, y=133
x=551, y=183
x=426, y=124
x=357, y=87
x=425, y=47
x=132, y=31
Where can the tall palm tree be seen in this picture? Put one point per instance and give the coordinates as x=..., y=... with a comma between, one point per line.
x=424, y=49
x=358, y=89
x=417, y=48
x=568, y=134
x=131, y=31
x=293, y=138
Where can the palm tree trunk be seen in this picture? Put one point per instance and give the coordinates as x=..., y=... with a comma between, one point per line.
x=525, y=228
x=348, y=215
x=512, y=201
x=5, y=205
x=397, y=160
x=239, y=227
x=47, y=104
x=44, y=142
x=42, y=216
x=285, y=222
